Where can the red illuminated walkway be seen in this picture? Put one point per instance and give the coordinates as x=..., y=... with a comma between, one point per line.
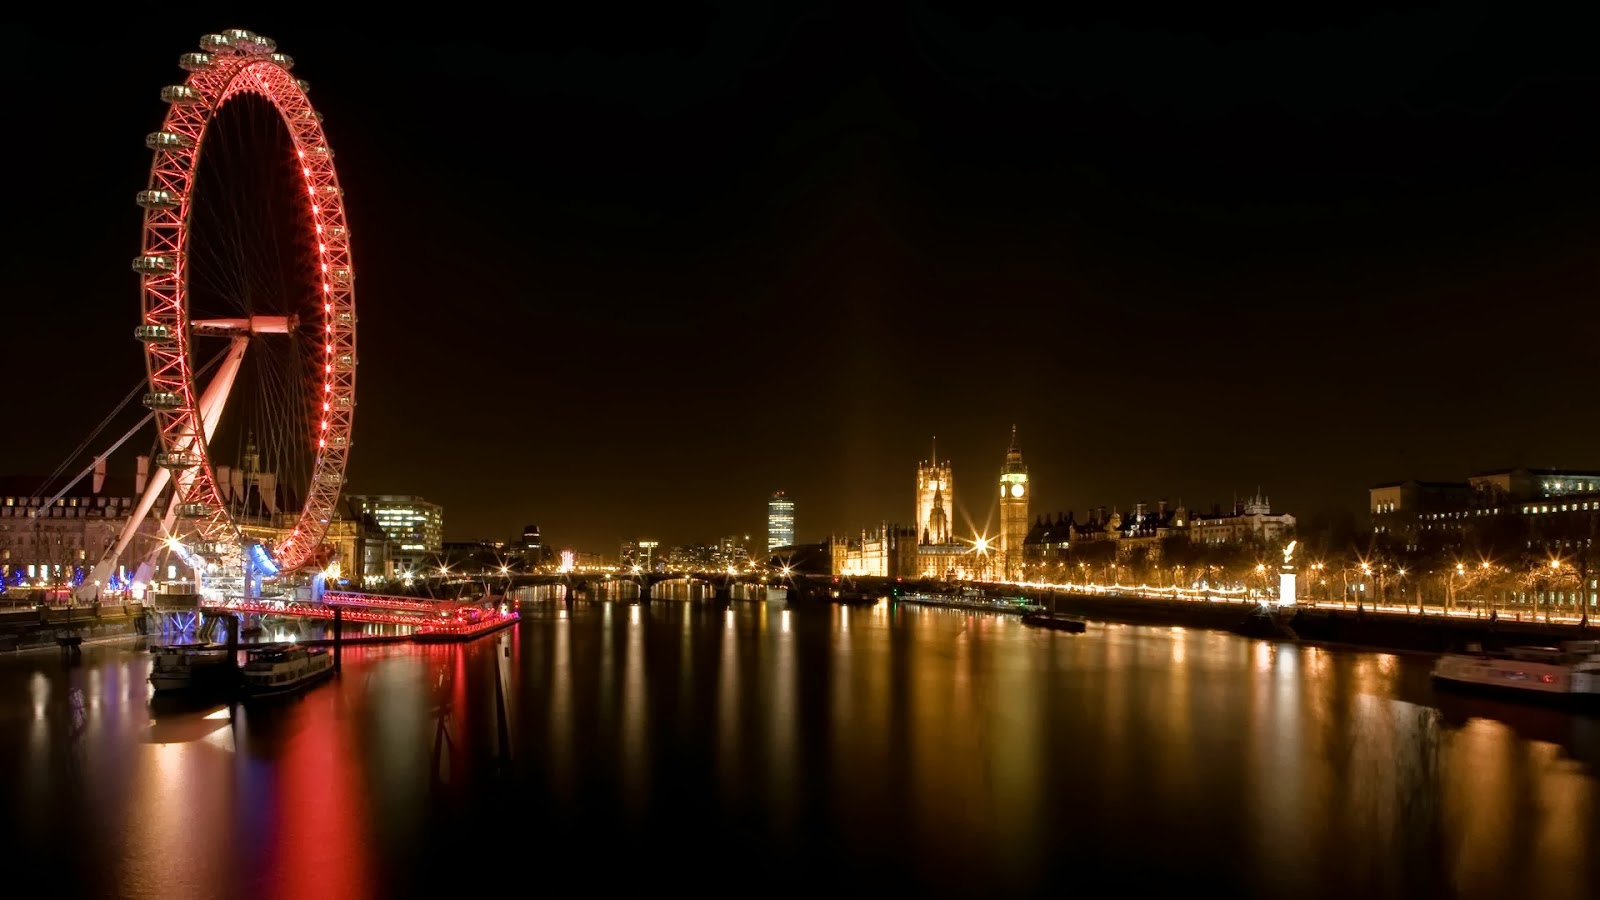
x=428, y=619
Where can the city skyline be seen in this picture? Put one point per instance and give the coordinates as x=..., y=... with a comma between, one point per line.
x=1259, y=345
x=1259, y=307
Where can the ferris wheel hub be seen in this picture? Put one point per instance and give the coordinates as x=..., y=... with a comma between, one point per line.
x=250, y=325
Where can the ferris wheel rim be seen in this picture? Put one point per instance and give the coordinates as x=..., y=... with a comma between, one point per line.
x=230, y=64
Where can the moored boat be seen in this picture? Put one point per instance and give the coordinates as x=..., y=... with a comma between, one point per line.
x=191, y=667
x=283, y=669
x=1568, y=673
x=1054, y=621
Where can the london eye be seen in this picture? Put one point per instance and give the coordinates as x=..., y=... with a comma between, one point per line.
x=248, y=320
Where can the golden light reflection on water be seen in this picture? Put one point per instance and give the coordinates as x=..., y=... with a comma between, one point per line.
x=561, y=685
x=728, y=703
x=957, y=744
x=635, y=750
x=781, y=713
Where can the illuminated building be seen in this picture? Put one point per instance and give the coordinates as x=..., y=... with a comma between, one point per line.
x=939, y=554
x=639, y=553
x=1014, y=493
x=1251, y=521
x=361, y=549
x=936, y=497
x=890, y=551
x=780, y=521
x=1553, y=508
x=531, y=547
x=734, y=550
x=50, y=545
x=414, y=526
x=1119, y=537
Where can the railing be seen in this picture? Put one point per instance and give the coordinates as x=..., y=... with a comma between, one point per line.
x=316, y=611
x=384, y=601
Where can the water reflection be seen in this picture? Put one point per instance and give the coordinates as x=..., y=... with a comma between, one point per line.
x=898, y=746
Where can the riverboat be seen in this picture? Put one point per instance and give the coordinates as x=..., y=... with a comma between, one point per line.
x=1054, y=621
x=1569, y=673
x=191, y=667
x=284, y=669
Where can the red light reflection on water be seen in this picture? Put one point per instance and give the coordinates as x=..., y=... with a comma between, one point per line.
x=317, y=845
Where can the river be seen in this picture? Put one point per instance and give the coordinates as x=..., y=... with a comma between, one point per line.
x=752, y=750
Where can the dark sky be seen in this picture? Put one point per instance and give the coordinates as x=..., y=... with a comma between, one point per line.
x=622, y=272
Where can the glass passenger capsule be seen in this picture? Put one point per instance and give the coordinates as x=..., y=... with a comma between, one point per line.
x=180, y=94
x=156, y=199
x=196, y=62
x=177, y=460
x=162, y=400
x=153, y=265
x=152, y=334
x=166, y=140
x=215, y=42
x=284, y=61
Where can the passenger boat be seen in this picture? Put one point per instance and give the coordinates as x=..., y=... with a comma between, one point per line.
x=191, y=667
x=1568, y=673
x=284, y=669
x=1041, y=618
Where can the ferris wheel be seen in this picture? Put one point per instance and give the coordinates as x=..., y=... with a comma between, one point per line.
x=249, y=324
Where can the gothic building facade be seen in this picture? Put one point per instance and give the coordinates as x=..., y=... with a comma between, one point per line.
x=1014, y=496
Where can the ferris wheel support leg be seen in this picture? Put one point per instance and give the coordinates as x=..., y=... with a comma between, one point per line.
x=211, y=404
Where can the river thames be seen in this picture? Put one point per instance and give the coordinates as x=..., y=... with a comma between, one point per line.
x=755, y=750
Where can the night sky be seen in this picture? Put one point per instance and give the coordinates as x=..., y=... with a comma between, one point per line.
x=623, y=272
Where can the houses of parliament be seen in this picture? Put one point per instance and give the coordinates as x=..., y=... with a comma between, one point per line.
x=933, y=548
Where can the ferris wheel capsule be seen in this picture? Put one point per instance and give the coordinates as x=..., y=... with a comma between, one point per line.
x=157, y=199
x=283, y=60
x=153, y=265
x=237, y=36
x=196, y=62
x=162, y=400
x=180, y=94
x=151, y=334
x=305, y=86
x=177, y=460
x=216, y=42
x=167, y=140
x=259, y=43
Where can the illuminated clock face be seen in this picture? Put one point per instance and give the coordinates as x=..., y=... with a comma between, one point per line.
x=1016, y=490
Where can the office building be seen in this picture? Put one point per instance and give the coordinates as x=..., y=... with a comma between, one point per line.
x=414, y=525
x=780, y=521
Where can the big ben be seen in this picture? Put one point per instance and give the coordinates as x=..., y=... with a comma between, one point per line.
x=1013, y=510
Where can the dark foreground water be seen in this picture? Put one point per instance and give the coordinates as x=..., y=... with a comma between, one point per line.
x=684, y=748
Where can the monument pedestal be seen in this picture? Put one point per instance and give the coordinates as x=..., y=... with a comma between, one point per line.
x=1286, y=586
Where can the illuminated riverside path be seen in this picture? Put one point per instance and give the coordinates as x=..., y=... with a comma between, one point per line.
x=688, y=745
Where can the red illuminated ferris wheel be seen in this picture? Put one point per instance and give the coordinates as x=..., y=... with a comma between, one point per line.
x=254, y=444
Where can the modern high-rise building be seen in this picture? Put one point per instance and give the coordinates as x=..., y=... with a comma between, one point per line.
x=413, y=524
x=531, y=547
x=1014, y=522
x=780, y=521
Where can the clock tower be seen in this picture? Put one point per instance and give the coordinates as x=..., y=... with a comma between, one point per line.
x=1014, y=490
